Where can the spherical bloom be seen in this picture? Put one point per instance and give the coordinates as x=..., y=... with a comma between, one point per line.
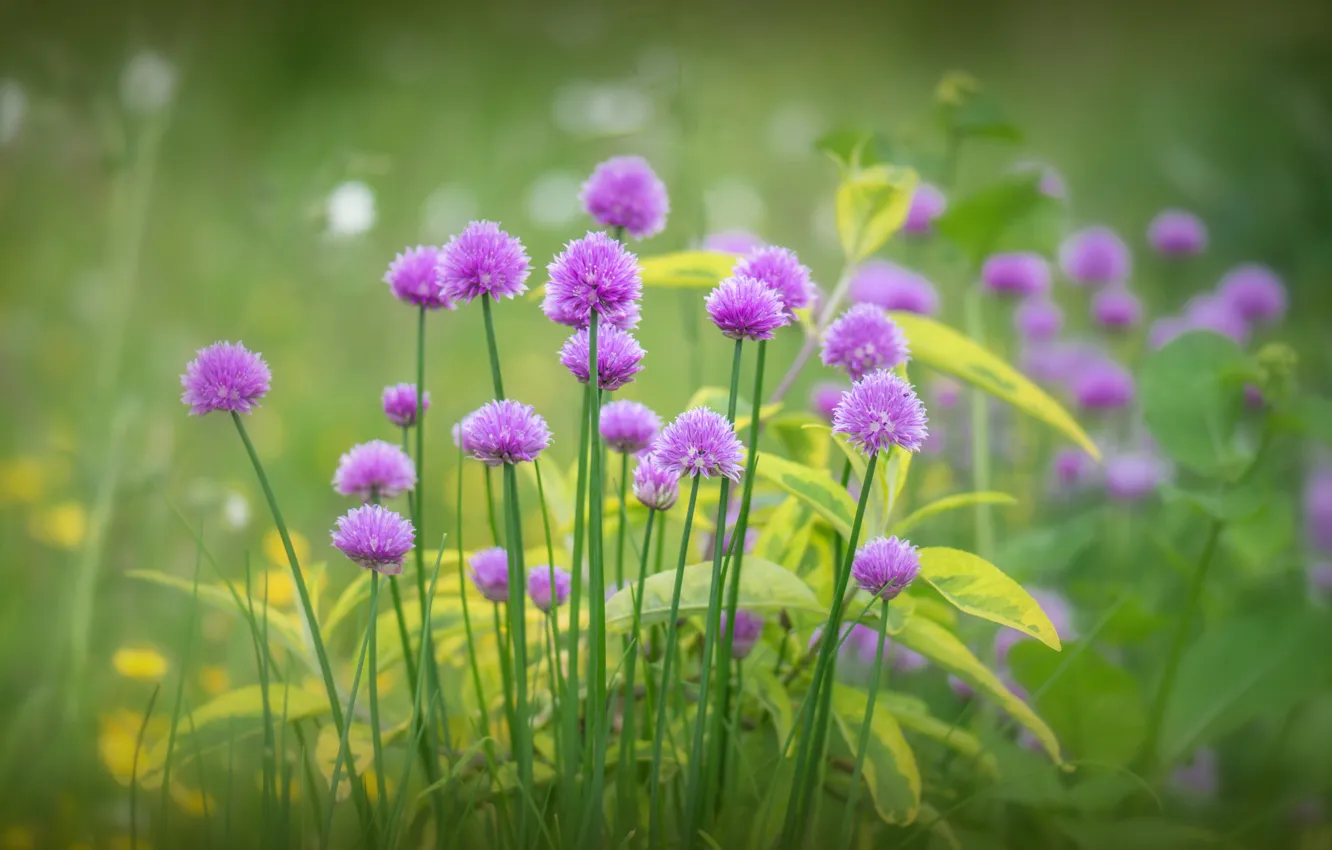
x=624, y=192
x=484, y=260
x=375, y=538
x=825, y=397
x=460, y=438
x=947, y=392
x=1199, y=779
x=700, y=442
x=1019, y=273
x=905, y=660
x=879, y=412
x=1133, y=476
x=1055, y=606
x=1058, y=361
x=1116, y=308
x=780, y=270
x=1103, y=386
x=893, y=287
x=885, y=566
x=1095, y=256
x=1216, y=314
x=864, y=339
x=1164, y=330
x=746, y=308
x=374, y=470
x=1073, y=468
x=505, y=431
x=748, y=629
x=400, y=404
x=927, y=204
x=1253, y=397
x=1038, y=319
x=548, y=586
x=594, y=274
x=490, y=573
x=416, y=276
x=732, y=242
x=656, y=485
x=1177, y=233
x=628, y=426
x=619, y=357
x=1318, y=509
x=224, y=376
x=1254, y=292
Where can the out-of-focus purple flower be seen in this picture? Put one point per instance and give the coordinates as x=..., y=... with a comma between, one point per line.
x=505, y=431
x=1051, y=183
x=656, y=485
x=947, y=393
x=881, y=411
x=1103, y=386
x=1166, y=329
x=1214, y=313
x=460, y=439
x=961, y=689
x=1254, y=292
x=1133, y=476
x=1253, y=397
x=862, y=643
x=374, y=470
x=1200, y=779
x=708, y=539
x=732, y=242
x=905, y=660
x=624, y=192
x=1095, y=256
x=700, y=442
x=1073, y=468
x=619, y=357
x=1320, y=580
x=746, y=308
x=1055, y=606
x=416, y=276
x=1116, y=308
x=400, y=404
x=484, y=260
x=490, y=573
x=864, y=339
x=1318, y=508
x=548, y=587
x=893, y=287
x=781, y=270
x=594, y=274
x=927, y=204
x=1177, y=233
x=628, y=426
x=885, y=566
x=1038, y=318
x=935, y=441
x=748, y=628
x=374, y=537
x=825, y=397
x=224, y=376
x=1020, y=273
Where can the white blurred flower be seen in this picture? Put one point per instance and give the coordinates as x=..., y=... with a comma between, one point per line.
x=793, y=130
x=733, y=205
x=552, y=199
x=610, y=109
x=446, y=211
x=147, y=83
x=350, y=209
x=13, y=106
x=236, y=510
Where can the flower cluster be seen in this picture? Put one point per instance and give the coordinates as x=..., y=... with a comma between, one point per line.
x=374, y=537
x=700, y=442
x=880, y=412
x=374, y=470
x=619, y=357
x=864, y=339
x=505, y=432
x=594, y=275
x=224, y=376
x=400, y=404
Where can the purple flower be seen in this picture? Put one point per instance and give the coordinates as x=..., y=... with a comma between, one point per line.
x=1038, y=318
x=416, y=276
x=961, y=689
x=709, y=539
x=1073, y=468
x=1177, y=233
x=746, y=308
x=879, y=412
x=893, y=287
x=656, y=485
x=400, y=404
x=748, y=628
x=624, y=192
x=506, y=431
x=864, y=339
x=1254, y=292
x=732, y=242
x=1058, y=361
x=1116, y=308
x=905, y=660
x=375, y=538
x=780, y=270
x=1103, y=386
x=374, y=470
x=700, y=442
x=1318, y=509
x=548, y=587
x=1095, y=256
x=224, y=376
x=1020, y=273
x=1253, y=397
x=1199, y=779
x=1051, y=183
x=484, y=260
x=490, y=573
x=628, y=426
x=1164, y=330
x=947, y=392
x=595, y=274
x=460, y=438
x=1056, y=608
x=1217, y=314
x=1320, y=580
x=1133, y=476
x=825, y=397
x=885, y=566
x=927, y=204
x=619, y=357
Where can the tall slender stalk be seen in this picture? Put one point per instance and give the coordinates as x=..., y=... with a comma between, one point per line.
x=980, y=433
x=492, y=346
x=376, y=733
x=590, y=828
x=623, y=524
x=625, y=796
x=482, y=706
x=573, y=753
x=520, y=734
x=862, y=743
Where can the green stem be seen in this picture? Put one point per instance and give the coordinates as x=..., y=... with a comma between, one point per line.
x=376, y=733
x=623, y=523
x=134, y=769
x=625, y=796
x=862, y=745
x=495, y=535
x=573, y=753
x=980, y=433
x=590, y=829
x=491, y=345
x=506, y=673
x=520, y=734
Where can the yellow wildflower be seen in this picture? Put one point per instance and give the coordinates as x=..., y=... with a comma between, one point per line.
x=214, y=679
x=191, y=801
x=277, y=553
x=63, y=526
x=23, y=480
x=17, y=838
x=281, y=589
x=144, y=664
x=117, y=739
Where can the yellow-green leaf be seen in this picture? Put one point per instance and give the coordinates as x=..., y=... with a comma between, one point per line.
x=804, y=436
x=913, y=714
x=814, y=487
x=786, y=535
x=693, y=269
x=947, y=350
x=951, y=503
x=764, y=586
x=717, y=398
x=871, y=206
x=983, y=590
x=890, y=766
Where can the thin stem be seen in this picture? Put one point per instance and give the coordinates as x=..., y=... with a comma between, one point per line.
x=506, y=674
x=813, y=337
x=862, y=744
x=625, y=796
x=495, y=376
x=980, y=433
x=495, y=535
x=596, y=663
x=573, y=754
x=376, y=733
x=521, y=732
x=623, y=521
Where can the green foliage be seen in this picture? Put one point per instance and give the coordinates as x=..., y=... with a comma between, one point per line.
x=1012, y=214
x=891, y=773
x=686, y=269
x=979, y=588
x=872, y=205
x=764, y=586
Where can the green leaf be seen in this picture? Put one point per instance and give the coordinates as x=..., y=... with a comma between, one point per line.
x=688, y=269
x=850, y=149
x=980, y=115
x=913, y=715
x=1229, y=504
x=799, y=434
x=981, y=223
x=718, y=397
x=1192, y=398
x=890, y=766
x=943, y=648
x=872, y=205
x=981, y=589
x=876, y=511
x=814, y=487
x=933, y=820
x=1096, y=708
x=1140, y=833
x=1260, y=538
x=786, y=535
x=764, y=586
x=1048, y=548
x=767, y=688
x=939, y=346
x=1314, y=414
x=950, y=503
